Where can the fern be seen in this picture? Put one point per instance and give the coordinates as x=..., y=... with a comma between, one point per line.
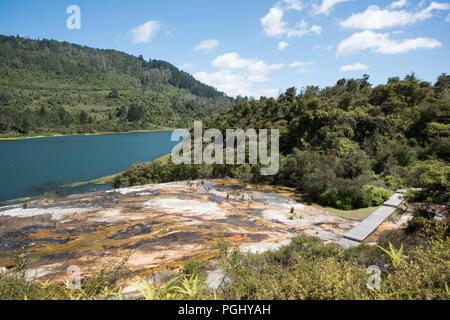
x=397, y=257
x=190, y=288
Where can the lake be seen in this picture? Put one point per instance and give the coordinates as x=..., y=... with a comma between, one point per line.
x=34, y=166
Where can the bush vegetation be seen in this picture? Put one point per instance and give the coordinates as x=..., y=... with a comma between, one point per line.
x=348, y=146
x=307, y=269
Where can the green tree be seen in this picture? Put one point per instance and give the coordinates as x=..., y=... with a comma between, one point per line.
x=135, y=113
x=113, y=94
x=83, y=117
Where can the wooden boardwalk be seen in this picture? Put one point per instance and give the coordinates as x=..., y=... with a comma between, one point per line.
x=365, y=228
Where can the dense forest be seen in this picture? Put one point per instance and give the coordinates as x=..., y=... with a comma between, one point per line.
x=48, y=86
x=347, y=146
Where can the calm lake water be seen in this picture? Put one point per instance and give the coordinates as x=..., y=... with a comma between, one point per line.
x=35, y=166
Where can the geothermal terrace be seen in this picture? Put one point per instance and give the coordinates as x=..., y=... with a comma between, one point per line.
x=160, y=225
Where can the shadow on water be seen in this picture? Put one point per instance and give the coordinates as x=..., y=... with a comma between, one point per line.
x=53, y=190
x=61, y=190
x=43, y=187
x=88, y=187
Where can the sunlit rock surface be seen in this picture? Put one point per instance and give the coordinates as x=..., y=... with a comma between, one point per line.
x=160, y=225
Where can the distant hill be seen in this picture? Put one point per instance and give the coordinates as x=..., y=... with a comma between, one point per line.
x=52, y=86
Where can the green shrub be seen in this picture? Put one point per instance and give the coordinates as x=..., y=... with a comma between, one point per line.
x=105, y=278
x=433, y=176
x=303, y=270
x=194, y=267
x=377, y=195
x=307, y=269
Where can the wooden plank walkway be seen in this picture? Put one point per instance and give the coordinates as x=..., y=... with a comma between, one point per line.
x=394, y=201
x=365, y=228
x=368, y=225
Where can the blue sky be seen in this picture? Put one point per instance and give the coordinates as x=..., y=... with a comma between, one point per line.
x=255, y=47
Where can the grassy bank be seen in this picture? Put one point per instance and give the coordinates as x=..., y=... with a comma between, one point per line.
x=356, y=214
x=98, y=181
x=4, y=137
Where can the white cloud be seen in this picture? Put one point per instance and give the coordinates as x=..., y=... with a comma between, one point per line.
x=145, y=32
x=375, y=18
x=293, y=5
x=326, y=6
x=448, y=18
x=322, y=46
x=186, y=66
x=229, y=61
x=256, y=70
x=274, y=25
x=301, y=29
x=302, y=66
x=207, y=45
x=382, y=43
x=354, y=67
x=270, y=92
x=233, y=84
x=282, y=45
x=421, y=3
x=397, y=4
x=238, y=76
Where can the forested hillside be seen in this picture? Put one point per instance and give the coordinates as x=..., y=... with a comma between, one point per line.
x=51, y=86
x=346, y=146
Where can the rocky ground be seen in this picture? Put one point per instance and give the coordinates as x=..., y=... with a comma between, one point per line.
x=160, y=226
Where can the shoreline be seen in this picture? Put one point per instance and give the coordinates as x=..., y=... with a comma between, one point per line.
x=109, y=178
x=53, y=135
